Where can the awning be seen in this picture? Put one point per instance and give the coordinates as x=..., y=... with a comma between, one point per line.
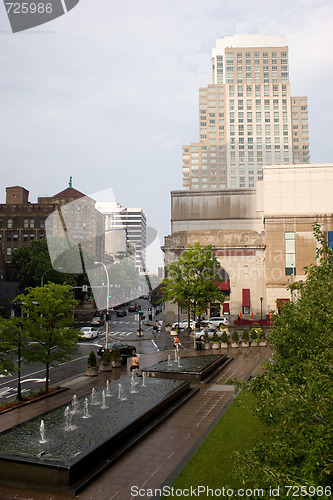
x=223, y=285
x=246, y=297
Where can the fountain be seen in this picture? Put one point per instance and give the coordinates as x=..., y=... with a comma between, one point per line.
x=108, y=393
x=121, y=396
x=42, y=432
x=94, y=400
x=169, y=360
x=68, y=420
x=104, y=407
x=86, y=409
x=81, y=447
x=143, y=380
x=188, y=367
x=75, y=405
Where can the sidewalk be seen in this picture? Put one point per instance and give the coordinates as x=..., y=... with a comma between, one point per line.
x=157, y=458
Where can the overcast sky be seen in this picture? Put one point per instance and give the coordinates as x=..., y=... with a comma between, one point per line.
x=108, y=93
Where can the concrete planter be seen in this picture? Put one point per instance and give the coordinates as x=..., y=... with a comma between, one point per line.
x=245, y=344
x=206, y=345
x=216, y=345
x=167, y=328
x=254, y=343
x=91, y=371
x=234, y=345
x=116, y=363
x=262, y=343
x=224, y=345
x=106, y=368
x=173, y=332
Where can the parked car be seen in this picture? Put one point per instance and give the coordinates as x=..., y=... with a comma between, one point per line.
x=88, y=332
x=218, y=321
x=97, y=321
x=126, y=350
x=210, y=331
x=183, y=325
x=121, y=313
x=99, y=313
x=132, y=308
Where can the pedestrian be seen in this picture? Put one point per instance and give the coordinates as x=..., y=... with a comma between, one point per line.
x=177, y=343
x=155, y=328
x=135, y=365
x=198, y=342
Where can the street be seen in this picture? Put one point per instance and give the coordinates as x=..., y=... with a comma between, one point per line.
x=122, y=329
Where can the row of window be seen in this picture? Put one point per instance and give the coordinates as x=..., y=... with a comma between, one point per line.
x=27, y=223
x=25, y=236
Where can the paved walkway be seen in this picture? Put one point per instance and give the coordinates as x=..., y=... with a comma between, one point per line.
x=157, y=458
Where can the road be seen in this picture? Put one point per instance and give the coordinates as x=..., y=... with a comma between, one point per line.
x=122, y=329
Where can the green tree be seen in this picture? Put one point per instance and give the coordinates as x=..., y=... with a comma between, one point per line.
x=294, y=396
x=192, y=280
x=47, y=319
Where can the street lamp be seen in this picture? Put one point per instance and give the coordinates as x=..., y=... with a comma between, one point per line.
x=107, y=301
x=261, y=300
x=47, y=270
x=19, y=392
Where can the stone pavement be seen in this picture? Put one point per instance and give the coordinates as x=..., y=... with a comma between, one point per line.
x=158, y=458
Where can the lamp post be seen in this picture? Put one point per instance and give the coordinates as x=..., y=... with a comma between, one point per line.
x=47, y=270
x=19, y=392
x=261, y=301
x=107, y=301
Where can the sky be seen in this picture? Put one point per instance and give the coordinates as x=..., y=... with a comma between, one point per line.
x=108, y=93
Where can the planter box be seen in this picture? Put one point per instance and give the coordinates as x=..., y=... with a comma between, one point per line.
x=172, y=332
x=234, y=345
x=92, y=372
x=168, y=328
x=245, y=344
x=254, y=343
x=116, y=363
x=262, y=343
x=106, y=368
x=206, y=345
x=224, y=345
x=216, y=345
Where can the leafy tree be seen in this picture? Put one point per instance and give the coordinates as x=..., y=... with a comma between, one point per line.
x=13, y=348
x=192, y=279
x=294, y=396
x=32, y=264
x=47, y=318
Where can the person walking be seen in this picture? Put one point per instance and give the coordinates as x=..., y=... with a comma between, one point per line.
x=135, y=365
x=177, y=343
x=155, y=328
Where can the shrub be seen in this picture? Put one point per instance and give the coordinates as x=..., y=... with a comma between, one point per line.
x=92, y=360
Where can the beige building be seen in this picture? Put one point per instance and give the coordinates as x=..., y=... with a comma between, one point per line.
x=262, y=237
x=247, y=117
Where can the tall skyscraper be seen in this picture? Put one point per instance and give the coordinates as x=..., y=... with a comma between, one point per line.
x=247, y=117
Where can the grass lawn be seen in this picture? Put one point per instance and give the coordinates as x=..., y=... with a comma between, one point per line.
x=213, y=464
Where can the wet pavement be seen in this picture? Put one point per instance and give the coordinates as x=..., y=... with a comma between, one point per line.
x=157, y=459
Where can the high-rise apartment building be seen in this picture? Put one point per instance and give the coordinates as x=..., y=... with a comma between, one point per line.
x=247, y=117
x=130, y=222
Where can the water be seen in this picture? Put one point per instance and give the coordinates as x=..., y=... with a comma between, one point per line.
x=104, y=407
x=75, y=404
x=121, y=396
x=86, y=413
x=94, y=400
x=42, y=432
x=68, y=434
x=68, y=420
x=143, y=379
x=133, y=384
x=169, y=359
x=108, y=393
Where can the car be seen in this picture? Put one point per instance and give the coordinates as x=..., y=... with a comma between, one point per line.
x=132, y=308
x=218, y=321
x=210, y=331
x=121, y=313
x=88, y=332
x=183, y=325
x=99, y=313
x=126, y=350
x=97, y=321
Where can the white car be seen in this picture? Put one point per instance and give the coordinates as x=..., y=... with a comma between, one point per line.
x=88, y=332
x=218, y=321
x=183, y=325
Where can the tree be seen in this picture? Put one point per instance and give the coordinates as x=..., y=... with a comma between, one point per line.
x=294, y=396
x=192, y=280
x=13, y=346
x=47, y=319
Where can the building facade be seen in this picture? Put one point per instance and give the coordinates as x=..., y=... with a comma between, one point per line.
x=262, y=237
x=247, y=117
x=131, y=222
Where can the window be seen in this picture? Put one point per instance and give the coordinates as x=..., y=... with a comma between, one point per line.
x=290, y=253
x=9, y=223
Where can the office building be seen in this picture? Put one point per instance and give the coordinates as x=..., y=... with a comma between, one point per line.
x=247, y=116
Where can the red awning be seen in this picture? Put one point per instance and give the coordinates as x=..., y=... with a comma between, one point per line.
x=226, y=307
x=223, y=285
x=246, y=297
